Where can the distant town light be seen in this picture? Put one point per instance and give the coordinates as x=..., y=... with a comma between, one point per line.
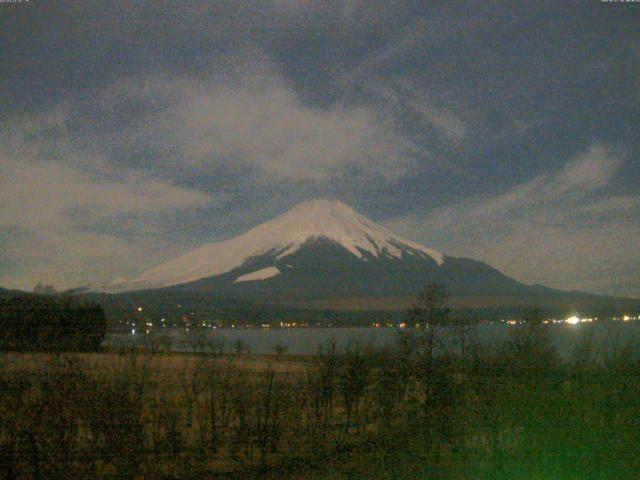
x=139, y=309
x=133, y=331
x=572, y=320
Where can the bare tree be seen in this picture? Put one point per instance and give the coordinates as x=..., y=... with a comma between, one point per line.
x=428, y=314
x=240, y=346
x=280, y=350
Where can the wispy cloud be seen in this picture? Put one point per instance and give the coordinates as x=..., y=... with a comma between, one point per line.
x=546, y=196
x=395, y=48
x=402, y=94
x=406, y=95
x=44, y=191
x=557, y=229
x=34, y=194
x=249, y=115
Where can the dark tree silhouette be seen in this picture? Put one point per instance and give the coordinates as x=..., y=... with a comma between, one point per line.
x=429, y=312
x=430, y=307
x=34, y=322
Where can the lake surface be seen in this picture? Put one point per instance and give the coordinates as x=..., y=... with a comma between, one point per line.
x=605, y=337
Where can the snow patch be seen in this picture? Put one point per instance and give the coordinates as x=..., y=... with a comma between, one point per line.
x=258, y=275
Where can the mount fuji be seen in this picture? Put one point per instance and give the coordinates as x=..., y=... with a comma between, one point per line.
x=322, y=253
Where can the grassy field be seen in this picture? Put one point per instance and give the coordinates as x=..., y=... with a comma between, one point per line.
x=513, y=412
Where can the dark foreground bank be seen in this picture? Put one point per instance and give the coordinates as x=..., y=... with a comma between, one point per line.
x=514, y=411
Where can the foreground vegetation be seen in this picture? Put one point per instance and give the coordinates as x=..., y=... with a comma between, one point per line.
x=514, y=411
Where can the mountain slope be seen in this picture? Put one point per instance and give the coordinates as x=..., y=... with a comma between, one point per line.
x=322, y=269
x=324, y=253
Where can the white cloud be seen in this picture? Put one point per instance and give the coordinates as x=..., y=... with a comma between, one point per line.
x=42, y=190
x=556, y=229
x=36, y=194
x=251, y=116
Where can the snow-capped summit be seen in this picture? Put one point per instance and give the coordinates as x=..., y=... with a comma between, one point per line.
x=315, y=220
x=335, y=221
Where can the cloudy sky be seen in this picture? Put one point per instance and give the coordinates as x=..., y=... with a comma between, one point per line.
x=133, y=131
